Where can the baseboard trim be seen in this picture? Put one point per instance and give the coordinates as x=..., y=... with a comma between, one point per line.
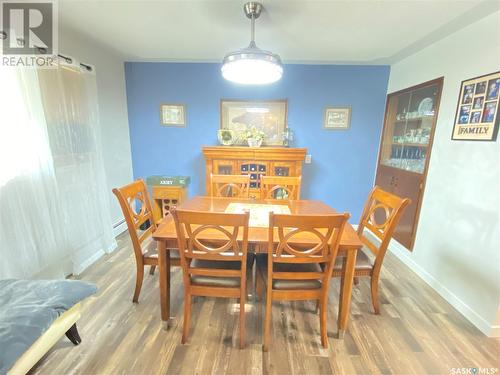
x=402, y=254
x=119, y=228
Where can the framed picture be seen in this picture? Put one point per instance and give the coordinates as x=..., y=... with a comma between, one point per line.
x=173, y=114
x=476, y=117
x=268, y=116
x=337, y=118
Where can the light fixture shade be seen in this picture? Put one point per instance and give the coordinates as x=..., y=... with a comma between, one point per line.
x=252, y=66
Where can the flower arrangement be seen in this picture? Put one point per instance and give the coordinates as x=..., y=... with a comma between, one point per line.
x=254, y=133
x=254, y=137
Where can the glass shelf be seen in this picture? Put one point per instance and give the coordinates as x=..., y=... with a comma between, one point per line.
x=409, y=122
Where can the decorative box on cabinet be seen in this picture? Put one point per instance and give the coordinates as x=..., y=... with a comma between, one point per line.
x=256, y=162
x=405, y=149
x=165, y=198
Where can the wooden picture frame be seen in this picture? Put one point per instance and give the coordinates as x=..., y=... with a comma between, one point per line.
x=337, y=118
x=476, y=116
x=173, y=115
x=270, y=116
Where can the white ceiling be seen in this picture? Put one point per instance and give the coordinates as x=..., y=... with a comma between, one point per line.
x=307, y=31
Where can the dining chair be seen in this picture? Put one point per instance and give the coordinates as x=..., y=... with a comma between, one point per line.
x=136, y=207
x=228, y=185
x=300, y=266
x=280, y=187
x=213, y=268
x=380, y=217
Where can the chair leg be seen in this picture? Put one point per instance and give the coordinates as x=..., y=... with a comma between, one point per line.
x=187, y=318
x=267, y=320
x=242, y=320
x=374, y=290
x=323, y=307
x=341, y=287
x=152, y=270
x=138, y=282
x=316, y=310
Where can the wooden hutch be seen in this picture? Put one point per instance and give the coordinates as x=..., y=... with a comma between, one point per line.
x=254, y=161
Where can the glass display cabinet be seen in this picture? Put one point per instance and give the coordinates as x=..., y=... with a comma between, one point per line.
x=405, y=149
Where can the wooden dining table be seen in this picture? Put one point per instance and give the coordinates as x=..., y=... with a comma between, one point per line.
x=166, y=238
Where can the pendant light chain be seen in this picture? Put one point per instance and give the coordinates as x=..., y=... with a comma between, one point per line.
x=252, y=30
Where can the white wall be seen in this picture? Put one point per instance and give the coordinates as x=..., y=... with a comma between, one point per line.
x=457, y=248
x=112, y=108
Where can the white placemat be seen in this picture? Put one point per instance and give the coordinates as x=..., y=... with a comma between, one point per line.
x=259, y=213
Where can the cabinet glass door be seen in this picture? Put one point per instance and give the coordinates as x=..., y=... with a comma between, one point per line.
x=410, y=119
x=224, y=167
x=255, y=170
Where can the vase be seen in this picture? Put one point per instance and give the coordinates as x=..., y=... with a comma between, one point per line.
x=226, y=137
x=252, y=142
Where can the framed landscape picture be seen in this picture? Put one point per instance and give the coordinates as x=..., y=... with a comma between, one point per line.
x=476, y=117
x=173, y=114
x=337, y=118
x=268, y=116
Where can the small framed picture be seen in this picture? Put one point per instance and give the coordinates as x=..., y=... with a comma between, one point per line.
x=173, y=114
x=337, y=118
x=478, y=102
x=468, y=94
x=464, y=114
x=489, y=112
x=480, y=88
x=493, y=88
x=476, y=116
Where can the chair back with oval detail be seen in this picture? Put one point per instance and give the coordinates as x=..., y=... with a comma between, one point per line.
x=136, y=207
x=234, y=186
x=279, y=187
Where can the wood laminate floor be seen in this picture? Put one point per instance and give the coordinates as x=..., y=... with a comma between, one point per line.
x=417, y=332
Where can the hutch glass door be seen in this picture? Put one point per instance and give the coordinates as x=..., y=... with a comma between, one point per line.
x=409, y=126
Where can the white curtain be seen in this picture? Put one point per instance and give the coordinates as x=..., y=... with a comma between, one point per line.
x=53, y=194
x=31, y=231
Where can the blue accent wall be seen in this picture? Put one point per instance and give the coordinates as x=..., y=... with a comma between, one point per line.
x=343, y=162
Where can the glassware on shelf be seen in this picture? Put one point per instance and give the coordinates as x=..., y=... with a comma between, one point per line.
x=288, y=136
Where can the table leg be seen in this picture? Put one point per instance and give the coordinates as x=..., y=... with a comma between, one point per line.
x=346, y=291
x=164, y=266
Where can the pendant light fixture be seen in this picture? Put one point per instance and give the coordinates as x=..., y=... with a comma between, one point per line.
x=251, y=65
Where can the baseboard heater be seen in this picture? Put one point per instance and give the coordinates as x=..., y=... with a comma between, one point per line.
x=118, y=224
